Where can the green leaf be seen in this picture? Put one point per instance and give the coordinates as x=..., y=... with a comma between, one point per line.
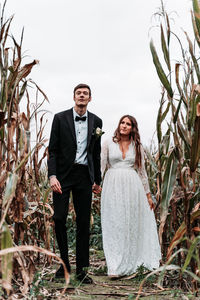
x=194, y=276
x=10, y=188
x=184, y=136
x=196, y=33
x=158, y=123
x=2, y=134
x=168, y=29
x=192, y=111
x=23, y=89
x=165, y=50
x=169, y=181
x=177, y=111
x=6, y=263
x=190, y=252
x=25, y=159
x=160, y=71
x=166, y=141
x=195, y=62
x=160, y=118
x=165, y=112
x=196, y=11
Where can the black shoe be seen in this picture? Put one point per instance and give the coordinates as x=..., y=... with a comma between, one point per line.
x=60, y=273
x=84, y=278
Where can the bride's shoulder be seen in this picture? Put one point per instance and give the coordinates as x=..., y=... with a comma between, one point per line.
x=108, y=142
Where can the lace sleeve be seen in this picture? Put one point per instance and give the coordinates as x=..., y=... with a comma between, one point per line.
x=104, y=158
x=142, y=173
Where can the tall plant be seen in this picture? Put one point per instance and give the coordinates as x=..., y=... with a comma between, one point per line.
x=176, y=164
x=24, y=193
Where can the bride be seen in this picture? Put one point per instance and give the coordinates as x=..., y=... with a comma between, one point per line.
x=128, y=224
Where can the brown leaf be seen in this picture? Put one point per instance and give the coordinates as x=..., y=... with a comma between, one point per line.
x=16, y=64
x=2, y=116
x=41, y=91
x=26, y=69
x=198, y=109
x=196, y=87
x=11, y=133
x=40, y=250
x=3, y=178
x=25, y=121
x=196, y=229
x=24, y=272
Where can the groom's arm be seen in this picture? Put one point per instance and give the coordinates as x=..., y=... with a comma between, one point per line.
x=53, y=147
x=97, y=156
x=53, y=150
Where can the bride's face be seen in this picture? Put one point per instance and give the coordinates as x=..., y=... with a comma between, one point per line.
x=125, y=126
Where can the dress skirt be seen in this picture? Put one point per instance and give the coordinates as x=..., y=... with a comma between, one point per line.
x=129, y=228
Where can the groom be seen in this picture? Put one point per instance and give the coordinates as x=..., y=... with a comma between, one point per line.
x=74, y=166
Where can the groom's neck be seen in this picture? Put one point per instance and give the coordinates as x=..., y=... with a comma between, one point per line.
x=80, y=110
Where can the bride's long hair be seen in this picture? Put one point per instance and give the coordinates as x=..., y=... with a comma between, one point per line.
x=134, y=135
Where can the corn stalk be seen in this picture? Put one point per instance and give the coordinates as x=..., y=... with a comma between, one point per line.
x=24, y=192
x=176, y=169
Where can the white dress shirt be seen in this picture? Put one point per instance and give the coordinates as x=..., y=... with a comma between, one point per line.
x=81, y=130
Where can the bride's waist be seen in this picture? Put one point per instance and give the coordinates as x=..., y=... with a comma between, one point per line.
x=131, y=168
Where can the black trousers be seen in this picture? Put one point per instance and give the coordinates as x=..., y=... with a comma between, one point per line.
x=78, y=181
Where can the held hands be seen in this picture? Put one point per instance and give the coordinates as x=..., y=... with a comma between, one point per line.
x=55, y=185
x=96, y=189
x=149, y=198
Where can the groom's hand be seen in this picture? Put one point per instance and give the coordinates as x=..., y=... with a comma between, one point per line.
x=96, y=188
x=55, y=185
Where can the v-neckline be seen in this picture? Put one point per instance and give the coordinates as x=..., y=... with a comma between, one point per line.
x=125, y=154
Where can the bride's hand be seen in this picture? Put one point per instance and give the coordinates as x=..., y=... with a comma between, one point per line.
x=149, y=198
x=96, y=188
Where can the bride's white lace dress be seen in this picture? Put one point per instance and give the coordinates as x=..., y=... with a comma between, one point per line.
x=129, y=229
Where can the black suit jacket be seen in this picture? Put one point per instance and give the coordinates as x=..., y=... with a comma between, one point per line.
x=62, y=146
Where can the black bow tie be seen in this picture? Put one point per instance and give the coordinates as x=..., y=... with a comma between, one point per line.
x=80, y=118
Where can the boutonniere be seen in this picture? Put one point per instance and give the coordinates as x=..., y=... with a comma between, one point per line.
x=98, y=132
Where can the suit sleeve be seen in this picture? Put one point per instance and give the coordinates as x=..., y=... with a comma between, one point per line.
x=53, y=147
x=97, y=157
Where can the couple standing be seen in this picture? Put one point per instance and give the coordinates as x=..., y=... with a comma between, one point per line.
x=128, y=223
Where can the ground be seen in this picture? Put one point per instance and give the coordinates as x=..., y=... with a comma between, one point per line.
x=46, y=287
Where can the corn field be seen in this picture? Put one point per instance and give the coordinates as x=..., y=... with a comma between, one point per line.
x=26, y=228
x=174, y=168
x=25, y=223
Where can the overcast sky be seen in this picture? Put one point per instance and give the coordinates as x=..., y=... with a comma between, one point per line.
x=104, y=43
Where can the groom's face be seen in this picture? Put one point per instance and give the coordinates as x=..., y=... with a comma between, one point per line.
x=82, y=97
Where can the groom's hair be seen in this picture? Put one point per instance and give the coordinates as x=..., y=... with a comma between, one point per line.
x=81, y=86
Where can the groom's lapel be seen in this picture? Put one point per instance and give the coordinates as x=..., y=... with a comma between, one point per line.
x=90, y=127
x=70, y=119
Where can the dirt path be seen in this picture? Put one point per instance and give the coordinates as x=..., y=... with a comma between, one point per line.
x=106, y=288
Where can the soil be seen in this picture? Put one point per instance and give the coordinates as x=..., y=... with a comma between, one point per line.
x=103, y=286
